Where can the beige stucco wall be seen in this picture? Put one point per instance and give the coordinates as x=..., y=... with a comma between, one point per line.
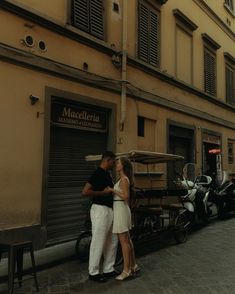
x=59, y=48
x=224, y=14
x=56, y=11
x=113, y=28
x=22, y=140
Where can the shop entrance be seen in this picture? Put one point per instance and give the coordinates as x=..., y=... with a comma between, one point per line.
x=211, y=156
x=181, y=142
x=76, y=131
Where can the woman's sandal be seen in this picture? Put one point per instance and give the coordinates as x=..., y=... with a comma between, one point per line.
x=135, y=269
x=124, y=275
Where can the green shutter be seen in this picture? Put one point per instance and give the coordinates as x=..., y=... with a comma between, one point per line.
x=81, y=14
x=154, y=42
x=229, y=75
x=96, y=18
x=148, y=34
x=143, y=28
x=210, y=72
x=87, y=15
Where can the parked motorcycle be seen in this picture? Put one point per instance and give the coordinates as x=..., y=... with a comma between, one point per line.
x=225, y=194
x=200, y=200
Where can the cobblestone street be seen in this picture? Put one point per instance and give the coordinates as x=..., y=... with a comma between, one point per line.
x=204, y=264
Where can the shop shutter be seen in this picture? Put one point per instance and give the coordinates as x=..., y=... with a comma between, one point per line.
x=87, y=15
x=229, y=85
x=210, y=72
x=148, y=34
x=68, y=172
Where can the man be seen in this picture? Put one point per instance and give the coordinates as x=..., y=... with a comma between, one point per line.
x=103, y=241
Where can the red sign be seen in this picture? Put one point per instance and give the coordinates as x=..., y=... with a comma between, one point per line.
x=214, y=151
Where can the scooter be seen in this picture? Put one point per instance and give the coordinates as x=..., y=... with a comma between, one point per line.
x=199, y=201
x=205, y=199
x=225, y=194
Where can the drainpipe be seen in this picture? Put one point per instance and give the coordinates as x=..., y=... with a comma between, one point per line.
x=124, y=61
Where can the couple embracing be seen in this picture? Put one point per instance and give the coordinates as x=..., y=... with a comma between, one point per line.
x=110, y=218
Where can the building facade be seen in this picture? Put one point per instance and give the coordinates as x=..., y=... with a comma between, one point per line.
x=79, y=77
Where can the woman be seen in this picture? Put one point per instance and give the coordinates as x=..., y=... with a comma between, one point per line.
x=122, y=216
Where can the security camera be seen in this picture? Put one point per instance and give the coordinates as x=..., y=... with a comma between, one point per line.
x=33, y=99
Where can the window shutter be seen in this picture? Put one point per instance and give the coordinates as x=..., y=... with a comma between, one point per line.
x=230, y=86
x=143, y=26
x=154, y=42
x=229, y=3
x=96, y=18
x=88, y=16
x=210, y=73
x=81, y=14
x=148, y=35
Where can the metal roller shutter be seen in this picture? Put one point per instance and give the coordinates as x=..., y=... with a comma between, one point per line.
x=68, y=172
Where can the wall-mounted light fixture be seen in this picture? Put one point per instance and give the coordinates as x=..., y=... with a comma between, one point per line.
x=33, y=99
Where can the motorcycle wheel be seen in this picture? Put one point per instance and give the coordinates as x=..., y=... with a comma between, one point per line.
x=82, y=246
x=221, y=210
x=182, y=228
x=82, y=249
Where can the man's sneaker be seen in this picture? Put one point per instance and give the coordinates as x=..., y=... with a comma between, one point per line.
x=112, y=274
x=97, y=278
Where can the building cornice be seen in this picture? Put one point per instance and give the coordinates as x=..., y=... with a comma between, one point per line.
x=209, y=41
x=229, y=57
x=180, y=16
x=38, y=63
x=202, y=4
x=54, y=68
x=177, y=83
x=161, y=2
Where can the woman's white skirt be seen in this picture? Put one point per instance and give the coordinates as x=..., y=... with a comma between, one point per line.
x=121, y=217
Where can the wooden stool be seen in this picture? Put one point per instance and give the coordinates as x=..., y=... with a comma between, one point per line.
x=15, y=252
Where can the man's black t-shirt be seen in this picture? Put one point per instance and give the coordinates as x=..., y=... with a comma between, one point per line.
x=99, y=180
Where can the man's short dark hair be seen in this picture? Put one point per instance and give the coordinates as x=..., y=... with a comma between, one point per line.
x=108, y=155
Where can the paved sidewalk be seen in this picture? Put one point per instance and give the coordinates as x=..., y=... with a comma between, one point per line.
x=204, y=264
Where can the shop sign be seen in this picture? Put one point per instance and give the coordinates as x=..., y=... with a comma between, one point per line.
x=214, y=151
x=207, y=138
x=79, y=117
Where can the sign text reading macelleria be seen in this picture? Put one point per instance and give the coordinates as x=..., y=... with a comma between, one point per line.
x=79, y=117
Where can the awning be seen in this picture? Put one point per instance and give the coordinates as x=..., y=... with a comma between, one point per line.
x=139, y=156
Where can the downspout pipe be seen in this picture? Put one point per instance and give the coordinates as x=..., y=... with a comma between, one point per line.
x=124, y=63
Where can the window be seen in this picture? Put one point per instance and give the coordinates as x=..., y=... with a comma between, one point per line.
x=87, y=15
x=230, y=152
x=210, y=47
x=210, y=72
x=140, y=126
x=184, y=46
x=148, y=34
x=229, y=3
x=229, y=76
